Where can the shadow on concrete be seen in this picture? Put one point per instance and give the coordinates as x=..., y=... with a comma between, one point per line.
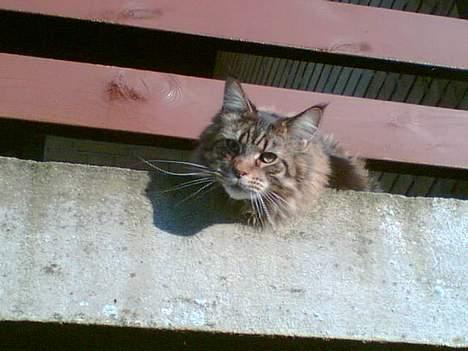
x=181, y=212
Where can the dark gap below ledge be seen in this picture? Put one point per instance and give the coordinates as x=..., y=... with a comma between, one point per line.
x=21, y=336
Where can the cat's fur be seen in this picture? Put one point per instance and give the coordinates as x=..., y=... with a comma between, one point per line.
x=276, y=165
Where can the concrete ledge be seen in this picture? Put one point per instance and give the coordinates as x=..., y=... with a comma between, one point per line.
x=95, y=245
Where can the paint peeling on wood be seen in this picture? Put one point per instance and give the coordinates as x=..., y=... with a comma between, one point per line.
x=350, y=47
x=141, y=13
x=120, y=90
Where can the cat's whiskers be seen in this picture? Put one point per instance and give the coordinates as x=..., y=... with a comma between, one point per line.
x=265, y=209
x=261, y=212
x=185, y=163
x=255, y=208
x=205, y=177
x=278, y=197
x=261, y=209
x=279, y=206
x=190, y=183
x=201, y=172
x=195, y=193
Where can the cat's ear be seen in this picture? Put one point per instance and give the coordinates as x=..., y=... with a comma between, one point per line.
x=303, y=126
x=307, y=121
x=235, y=99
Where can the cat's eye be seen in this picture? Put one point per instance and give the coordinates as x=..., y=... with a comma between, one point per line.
x=232, y=145
x=268, y=157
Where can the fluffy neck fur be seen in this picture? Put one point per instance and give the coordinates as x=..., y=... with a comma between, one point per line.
x=275, y=165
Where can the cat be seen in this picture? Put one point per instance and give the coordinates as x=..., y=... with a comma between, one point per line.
x=273, y=164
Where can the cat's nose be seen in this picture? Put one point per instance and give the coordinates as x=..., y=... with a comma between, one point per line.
x=240, y=167
x=239, y=173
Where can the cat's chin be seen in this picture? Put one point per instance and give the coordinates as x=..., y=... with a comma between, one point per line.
x=236, y=192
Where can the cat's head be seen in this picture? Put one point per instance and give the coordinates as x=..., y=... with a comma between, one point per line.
x=257, y=152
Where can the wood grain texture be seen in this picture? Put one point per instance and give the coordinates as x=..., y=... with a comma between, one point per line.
x=315, y=25
x=115, y=98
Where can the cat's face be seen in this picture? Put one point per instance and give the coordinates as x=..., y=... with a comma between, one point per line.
x=256, y=153
x=250, y=156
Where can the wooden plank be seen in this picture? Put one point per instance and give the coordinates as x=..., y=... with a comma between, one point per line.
x=322, y=26
x=130, y=100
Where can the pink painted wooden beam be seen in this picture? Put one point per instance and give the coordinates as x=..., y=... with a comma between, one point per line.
x=113, y=98
x=317, y=25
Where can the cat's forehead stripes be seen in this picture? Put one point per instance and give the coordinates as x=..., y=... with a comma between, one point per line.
x=244, y=138
x=261, y=141
x=256, y=136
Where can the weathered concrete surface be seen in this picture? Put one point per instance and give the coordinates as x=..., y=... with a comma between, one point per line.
x=86, y=244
